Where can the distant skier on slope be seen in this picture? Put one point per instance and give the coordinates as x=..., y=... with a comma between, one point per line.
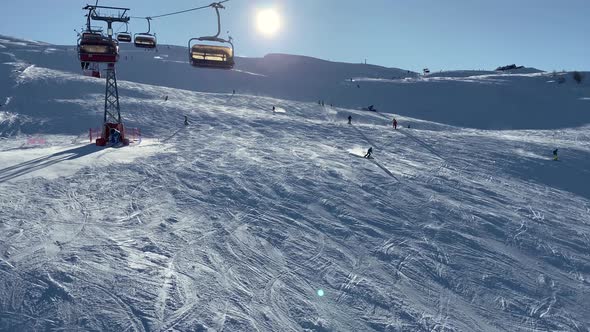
x=369, y=153
x=555, y=158
x=394, y=123
x=350, y=119
x=186, y=120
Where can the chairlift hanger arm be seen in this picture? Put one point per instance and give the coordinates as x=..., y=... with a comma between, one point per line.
x=93, y=8
x=122, y=17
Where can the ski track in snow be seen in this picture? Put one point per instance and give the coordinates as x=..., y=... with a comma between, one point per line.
x=234, y=222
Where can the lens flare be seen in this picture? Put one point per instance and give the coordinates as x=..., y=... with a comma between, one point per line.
x=268, y=22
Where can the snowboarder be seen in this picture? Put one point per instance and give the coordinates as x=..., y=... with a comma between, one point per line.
x=186, y=120
x=350, y=119
x=394, y=123
x=555, y=158
x=369, y=153
x=115, y=136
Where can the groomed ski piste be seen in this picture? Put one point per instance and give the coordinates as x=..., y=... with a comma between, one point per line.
x=254, y=220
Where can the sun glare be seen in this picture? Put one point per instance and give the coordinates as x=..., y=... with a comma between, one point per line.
x=268, y=22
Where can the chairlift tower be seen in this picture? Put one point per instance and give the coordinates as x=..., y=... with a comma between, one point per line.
x=112, y=109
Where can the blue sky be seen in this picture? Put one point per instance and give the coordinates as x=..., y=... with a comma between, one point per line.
x=409, y=34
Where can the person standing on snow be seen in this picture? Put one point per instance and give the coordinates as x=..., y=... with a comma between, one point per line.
x=369, y=153
x=394, y=123
x=555, y=158
x=186, y=120
x=115, y=136
x=350, y=119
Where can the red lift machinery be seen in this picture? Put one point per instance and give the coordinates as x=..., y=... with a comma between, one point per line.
x=95, y=48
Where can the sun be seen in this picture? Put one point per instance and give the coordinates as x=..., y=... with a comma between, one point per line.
x=268, y=22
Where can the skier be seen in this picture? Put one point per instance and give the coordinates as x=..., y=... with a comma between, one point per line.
x=115, y=136
x=273, y=109
x=369, y=153
x=350, y=119
x=394, y=123
x=555, y=158
x=186, y=120
x=234, y=92
x=166, y=98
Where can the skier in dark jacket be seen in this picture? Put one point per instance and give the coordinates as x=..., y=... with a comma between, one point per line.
x=115, y=136
x=369, y=153
x=349, y=119
x=186, y=120
x=394, y=123
x=555, y=155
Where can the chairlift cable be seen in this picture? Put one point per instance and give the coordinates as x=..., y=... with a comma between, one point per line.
x=182, y=11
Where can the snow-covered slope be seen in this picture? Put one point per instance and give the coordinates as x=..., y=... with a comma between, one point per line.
x=523, y=99
x=241, y=220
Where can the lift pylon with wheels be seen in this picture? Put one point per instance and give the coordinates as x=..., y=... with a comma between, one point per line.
x=112, y=122
x=112, y=110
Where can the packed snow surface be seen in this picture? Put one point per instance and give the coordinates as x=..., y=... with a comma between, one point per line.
x=254, y=220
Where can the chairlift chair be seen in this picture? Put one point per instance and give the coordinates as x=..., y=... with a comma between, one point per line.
x=215, y=53
x=146, y=39
x=125, y=37
x=95, y=47
x=211, y=56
